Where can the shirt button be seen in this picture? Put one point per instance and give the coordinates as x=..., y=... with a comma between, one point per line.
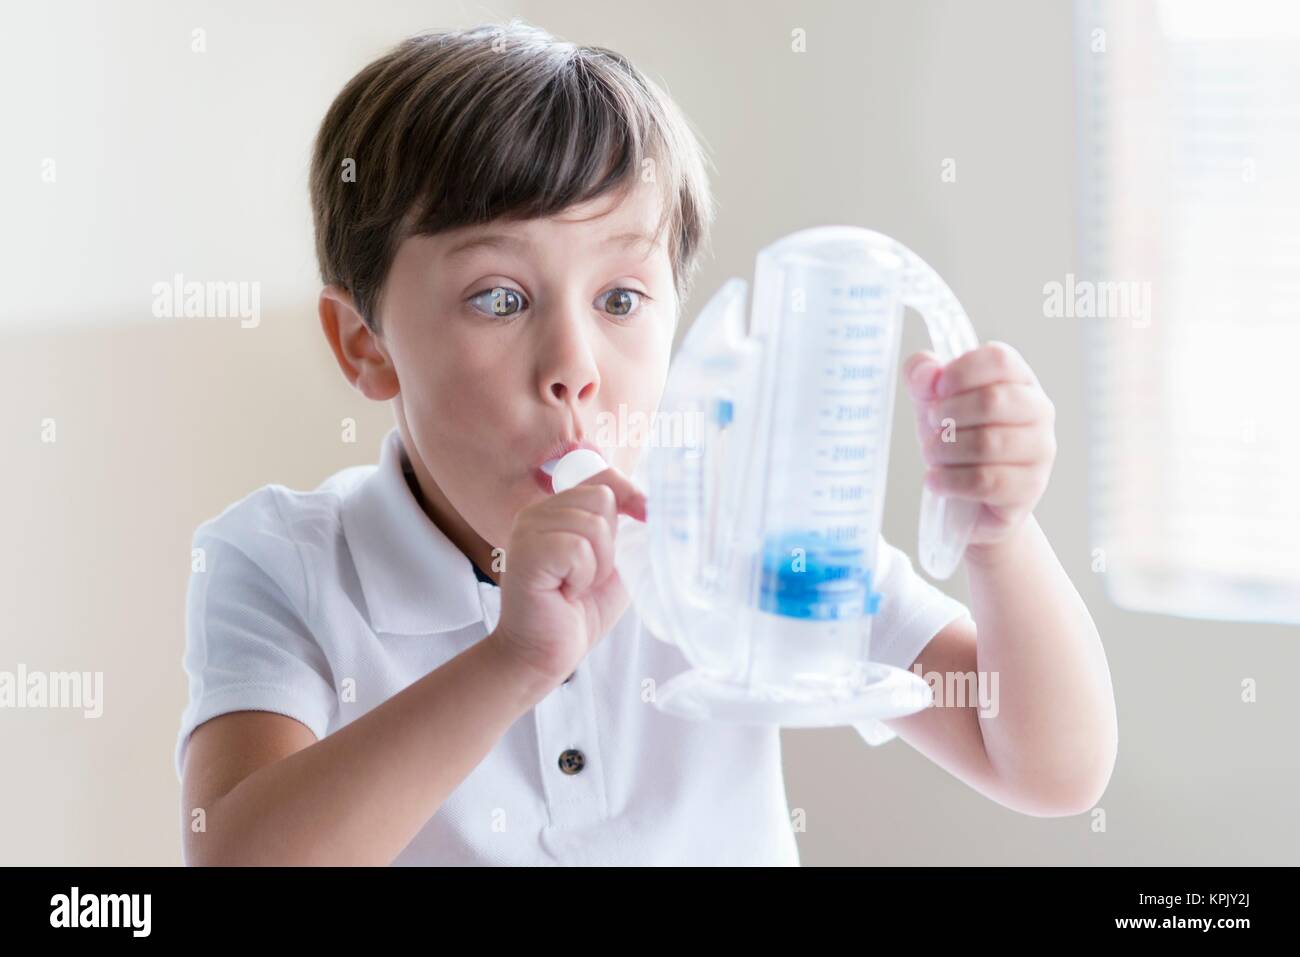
x=572, y=761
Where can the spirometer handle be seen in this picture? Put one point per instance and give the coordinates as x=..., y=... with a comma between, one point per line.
x=946, y=523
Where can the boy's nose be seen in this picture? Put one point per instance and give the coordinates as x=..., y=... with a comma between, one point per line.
x=564, y=393
x=570, y=372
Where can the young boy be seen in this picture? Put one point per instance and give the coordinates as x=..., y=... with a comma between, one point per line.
x=433, y=661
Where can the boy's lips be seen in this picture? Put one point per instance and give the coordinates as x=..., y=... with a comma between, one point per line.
x=543, y=481
x=560, y=450
x=542, y=470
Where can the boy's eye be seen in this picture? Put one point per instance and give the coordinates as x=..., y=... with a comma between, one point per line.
x=499, y=301
x=502, y=302
x=621, y=302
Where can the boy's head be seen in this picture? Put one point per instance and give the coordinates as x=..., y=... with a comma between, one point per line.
x=506, y=225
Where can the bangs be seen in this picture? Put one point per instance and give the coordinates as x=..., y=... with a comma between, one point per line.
x=462, y=127
x=533, y=151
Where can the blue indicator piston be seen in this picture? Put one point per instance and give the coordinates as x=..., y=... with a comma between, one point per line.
x=806, y=576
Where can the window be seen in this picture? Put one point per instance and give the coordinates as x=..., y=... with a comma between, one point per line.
x=1189, y=212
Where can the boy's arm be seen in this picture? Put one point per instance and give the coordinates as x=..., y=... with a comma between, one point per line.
x=361, y=794
x=272, y=794
x=1047, y=741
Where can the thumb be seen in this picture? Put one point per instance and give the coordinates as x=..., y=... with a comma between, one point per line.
x=920, y=372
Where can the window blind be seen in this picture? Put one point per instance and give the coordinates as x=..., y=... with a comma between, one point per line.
x=1189, y=191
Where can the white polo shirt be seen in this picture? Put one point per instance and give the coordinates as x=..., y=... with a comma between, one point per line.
x=322, y=605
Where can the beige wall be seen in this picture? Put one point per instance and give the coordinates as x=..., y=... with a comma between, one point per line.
x=163, y=423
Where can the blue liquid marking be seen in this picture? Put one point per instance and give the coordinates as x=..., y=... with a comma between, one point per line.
x=825, y=581
x=723, y=412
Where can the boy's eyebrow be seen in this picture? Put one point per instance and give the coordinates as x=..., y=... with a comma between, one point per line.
x=633, y=238
x=488, y=241
x=507, y=241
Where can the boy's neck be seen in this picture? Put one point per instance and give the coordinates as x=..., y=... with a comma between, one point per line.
x=439, y=511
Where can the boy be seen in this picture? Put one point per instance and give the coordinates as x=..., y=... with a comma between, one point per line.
x=433, y=660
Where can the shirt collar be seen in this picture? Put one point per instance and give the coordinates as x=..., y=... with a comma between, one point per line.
x=414, y=578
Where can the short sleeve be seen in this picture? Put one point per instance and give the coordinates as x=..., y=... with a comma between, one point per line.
x=247, y=647
x=912, y=611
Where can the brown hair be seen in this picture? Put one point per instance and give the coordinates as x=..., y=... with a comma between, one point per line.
x=460, y=127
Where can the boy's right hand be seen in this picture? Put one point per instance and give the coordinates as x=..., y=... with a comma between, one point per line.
x=560, y=592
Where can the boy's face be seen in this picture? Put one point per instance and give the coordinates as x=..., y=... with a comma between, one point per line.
x=511, y=338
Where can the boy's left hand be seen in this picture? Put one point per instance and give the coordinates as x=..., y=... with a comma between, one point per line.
x=987, y=433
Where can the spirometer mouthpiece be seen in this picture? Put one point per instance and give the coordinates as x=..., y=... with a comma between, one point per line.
x=575, y=468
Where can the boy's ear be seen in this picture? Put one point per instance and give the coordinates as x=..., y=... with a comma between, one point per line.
x=359, y=351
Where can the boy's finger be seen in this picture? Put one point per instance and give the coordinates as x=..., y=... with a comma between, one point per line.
x=990, y=363
x=597, y=499
x=1000, y=404
x=630, y=499
x=919, y=374
x=566, y=524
